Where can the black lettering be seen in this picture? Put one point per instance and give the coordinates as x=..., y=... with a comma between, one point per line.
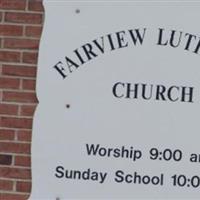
x=88, y=49
x=111, y=42
x=119, y=176
x=79, y=56
x=92, y=149
x=59, y=67
x=138, y=37
x=169, y=93
x=146, y=179
x=86, y=175
x=172, y=39
x=125, y=152
x=193, y=158
x=190, y=36
x=77, y=175
x=69, y=174
x=197, y=47
x=110, y=150
x=160, y=92
x=115, y=90
x=120, y=39
x=116, y=153
x=71, y=64
x=100, y=46
x=130, y=90
x=187, y=93
x=59, y=172
x=128, y=178
x=102, y=151
x=144, y=88
x=137, y=178
x=160, y=42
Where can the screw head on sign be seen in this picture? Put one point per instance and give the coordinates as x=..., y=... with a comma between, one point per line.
x=77, y=11
x=68, y=106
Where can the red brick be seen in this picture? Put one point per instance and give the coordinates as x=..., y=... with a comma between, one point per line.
x=1, y=15
x=12, y=122
x=13, y=4
x=24, y=136
x=12, y=72
x=23, y=187
x=28, y=84
x=9, y=56
x=15, y=70
x=7, y=134
x=11, y=30
x=33, y=31
x=5, y=159
x=1, y=95
x=23, y=161
x=11, y=147
x=9, y=83
x=7, y=172
x=26, y=18
x=12, y=43
x=30, y=58
x=27, y=110
x=8, y=109
x=5, y=196
x=6, y=185
x=21, y=97
x=35, y=5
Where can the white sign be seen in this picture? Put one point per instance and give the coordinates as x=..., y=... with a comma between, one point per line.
x=119, y=100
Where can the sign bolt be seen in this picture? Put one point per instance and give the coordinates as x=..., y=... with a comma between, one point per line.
x=68, y=106
x=77, y=11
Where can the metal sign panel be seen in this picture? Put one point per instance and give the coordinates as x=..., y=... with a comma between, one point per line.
x=119, y=96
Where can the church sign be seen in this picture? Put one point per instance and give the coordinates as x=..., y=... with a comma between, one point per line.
x=118, y=86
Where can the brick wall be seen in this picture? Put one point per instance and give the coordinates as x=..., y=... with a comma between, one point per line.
x=20, y=29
